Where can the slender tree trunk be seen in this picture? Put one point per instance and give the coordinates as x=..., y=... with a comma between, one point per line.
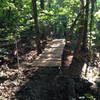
x=35, y=16
x=42, y=4
x=44, y=36
x=91, y=21
x=86, y=25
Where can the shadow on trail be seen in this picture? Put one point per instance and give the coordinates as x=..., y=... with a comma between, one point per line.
x=39, y=85
x=45, y=84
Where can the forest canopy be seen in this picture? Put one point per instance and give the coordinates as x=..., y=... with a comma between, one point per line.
x=57, y=15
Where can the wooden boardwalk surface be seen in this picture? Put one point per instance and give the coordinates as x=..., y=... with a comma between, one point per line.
x=51, y=55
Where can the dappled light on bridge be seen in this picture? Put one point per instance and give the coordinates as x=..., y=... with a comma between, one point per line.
x=51, y=55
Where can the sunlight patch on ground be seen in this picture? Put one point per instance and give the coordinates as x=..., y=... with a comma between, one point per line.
x=92, y=73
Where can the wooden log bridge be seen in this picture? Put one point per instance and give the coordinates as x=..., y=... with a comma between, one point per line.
x=51, y=55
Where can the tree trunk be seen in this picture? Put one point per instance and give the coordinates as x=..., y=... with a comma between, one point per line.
x=35, y=16
x=91, y=22
x=76, y=61
x=86, y=25
x=42, y=4
x=67, y=49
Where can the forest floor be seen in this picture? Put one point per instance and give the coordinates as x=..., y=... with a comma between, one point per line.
x=36, y=80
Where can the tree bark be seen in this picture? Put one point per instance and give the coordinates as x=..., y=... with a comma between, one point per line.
x=86, y=25
x=77, y=61
x=91, y=21
x=42, y=4
x=35, y=17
